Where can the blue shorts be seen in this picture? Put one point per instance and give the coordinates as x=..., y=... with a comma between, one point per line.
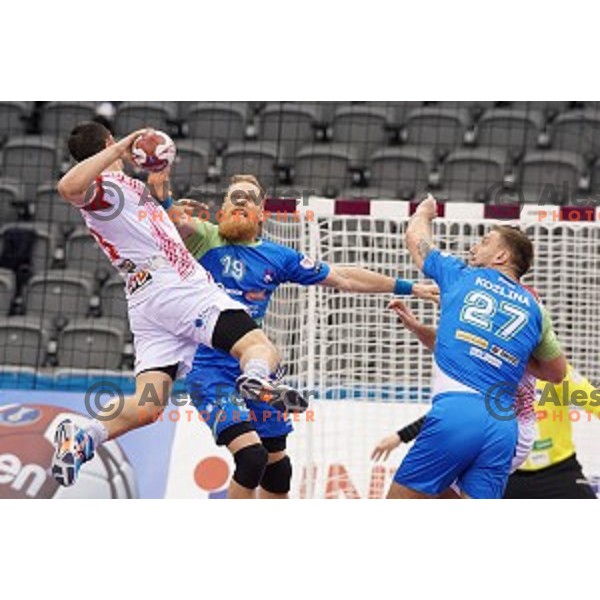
x=460, y=442
x=213, y=393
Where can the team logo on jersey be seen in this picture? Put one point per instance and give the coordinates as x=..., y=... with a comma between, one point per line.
x=309, y=264
x=255, y=296
x=137, y=281
x=127, y=266
x=269, y=276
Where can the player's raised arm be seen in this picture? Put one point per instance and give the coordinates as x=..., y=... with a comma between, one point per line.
x=77, y=186
x=419, y=237
x=548, y=362
x=425, y=334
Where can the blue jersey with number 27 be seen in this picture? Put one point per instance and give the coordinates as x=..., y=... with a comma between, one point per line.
x=489, y=324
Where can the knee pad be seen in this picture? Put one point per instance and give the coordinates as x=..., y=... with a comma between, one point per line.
x=250, y=465
x=278, y=476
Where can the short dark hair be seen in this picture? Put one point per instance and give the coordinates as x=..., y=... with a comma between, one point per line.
x=519, y=245
x=87, y=139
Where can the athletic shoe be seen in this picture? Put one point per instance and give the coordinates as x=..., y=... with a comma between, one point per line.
x=73, y=447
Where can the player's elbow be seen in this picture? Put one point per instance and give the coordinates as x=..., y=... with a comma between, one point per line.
x=555, y=370
x=68, y=190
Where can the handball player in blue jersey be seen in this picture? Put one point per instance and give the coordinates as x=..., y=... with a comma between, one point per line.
x=250, y=269
x=491, y=329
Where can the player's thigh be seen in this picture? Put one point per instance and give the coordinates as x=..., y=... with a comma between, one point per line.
x=213, y=393
x=448, y=442
x=487, y=475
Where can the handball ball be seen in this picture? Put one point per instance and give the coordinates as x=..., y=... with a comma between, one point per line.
x=153, y=151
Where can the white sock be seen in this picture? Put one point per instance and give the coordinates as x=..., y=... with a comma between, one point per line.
x=97, y=432
x=257, y=367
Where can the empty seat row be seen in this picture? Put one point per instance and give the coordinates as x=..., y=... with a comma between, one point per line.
x=82, y=344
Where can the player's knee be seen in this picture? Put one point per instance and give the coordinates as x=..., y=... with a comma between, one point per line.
x=278, y=476
x=250, y=465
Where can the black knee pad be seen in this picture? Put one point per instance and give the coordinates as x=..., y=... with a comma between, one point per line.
x=250, y=465
x=278, y=476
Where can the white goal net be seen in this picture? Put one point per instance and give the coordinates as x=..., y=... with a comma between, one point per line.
x=369, y=375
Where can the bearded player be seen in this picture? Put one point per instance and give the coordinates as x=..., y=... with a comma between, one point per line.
x=250, y=269
x=173, y=303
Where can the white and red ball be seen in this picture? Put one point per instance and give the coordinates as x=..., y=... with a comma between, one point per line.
x=153, y=151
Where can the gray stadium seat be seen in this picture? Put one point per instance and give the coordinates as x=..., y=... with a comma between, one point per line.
x=83, y=252
x=112, y=298
x=467, y=172
x=542, y=105
x=12, y=199
x=12, y=118
x=59, y=118
x=577, y=131
x=191, y=164
x=436, y=127
x=50, y=207
x=23, y=341
x=289, y=124
x=257, y=158
x=551, y=177
x=90, y=344
x=510, y=128
x=136, y=115
x=405, y=169
x=324, y=167
x=7, y=290
x=217, y=121
x=59, y=293
x=364, y=127
x=44, y=246
x=31, y=159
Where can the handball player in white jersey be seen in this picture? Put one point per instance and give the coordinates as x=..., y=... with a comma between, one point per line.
x=173, y=303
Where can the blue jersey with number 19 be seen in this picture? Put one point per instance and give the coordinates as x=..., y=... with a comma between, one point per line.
x=489, y=324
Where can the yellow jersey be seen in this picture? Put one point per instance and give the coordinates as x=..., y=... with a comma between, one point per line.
x=557, y=407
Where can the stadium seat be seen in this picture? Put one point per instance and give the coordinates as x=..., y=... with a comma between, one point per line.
x=543, y=105
x=191, y=163
x=467, y=173
x=12, y=119
x=509, y=129
x=550, y=177
x=136, y=115
x=436, y=127
x=90, y=344
x=49, y=207
x=83, y=252
x=112, y=299
x=364, y=127
x=405, y=169
x=59, y=293
x=577, y=131
x=7, y=291
x=23, y=341
x=324, y=167
x=31, y=159
x=59, y=118
x=217, y=121
x=12, y=199
x=288, y=124
x=44, y=242
x=258, y=158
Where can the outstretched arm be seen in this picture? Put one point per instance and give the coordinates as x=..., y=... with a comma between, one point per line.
x=76, y=186
x=419, y=238
x=359, y=280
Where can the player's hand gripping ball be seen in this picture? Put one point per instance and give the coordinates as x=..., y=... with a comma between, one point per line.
x=153, y=151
